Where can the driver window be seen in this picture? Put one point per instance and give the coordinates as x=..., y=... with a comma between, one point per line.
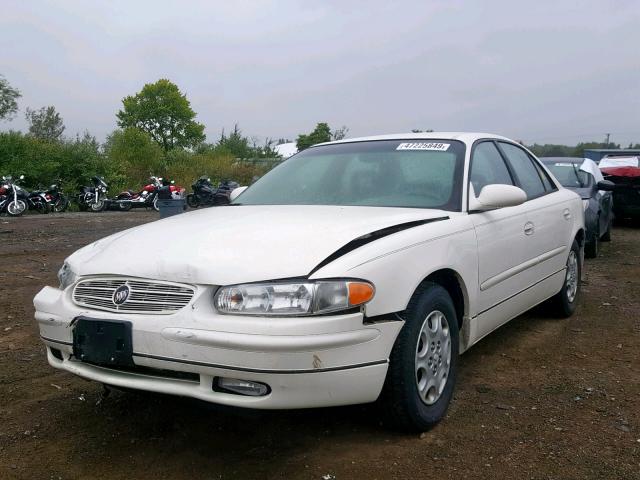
x=488, y=167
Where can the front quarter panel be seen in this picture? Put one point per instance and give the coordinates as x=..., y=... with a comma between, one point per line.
x=397, y=264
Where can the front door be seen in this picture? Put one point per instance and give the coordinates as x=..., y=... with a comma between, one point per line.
x=503, y=257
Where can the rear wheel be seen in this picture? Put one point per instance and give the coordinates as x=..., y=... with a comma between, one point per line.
x=423, y=363
x=564, y=302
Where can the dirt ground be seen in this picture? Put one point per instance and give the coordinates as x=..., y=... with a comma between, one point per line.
x=539, y=399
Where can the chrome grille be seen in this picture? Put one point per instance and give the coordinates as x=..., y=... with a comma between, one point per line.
x=145, y=296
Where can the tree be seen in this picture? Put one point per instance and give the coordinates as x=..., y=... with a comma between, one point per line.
x=8, y=99
x=161, y=110
x=45, y=124
x=134, y=154
x=340, y=133
x=322, y=133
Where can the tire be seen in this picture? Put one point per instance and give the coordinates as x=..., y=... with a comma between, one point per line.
x=61, y=205
x=41, y=207
x=591, y=248
x=411, y=372
x=16, y=208
x=193, y=201
x=606, y=237
x=565, y=301
x=124, y=206
x=98, y=206
x=155, y=204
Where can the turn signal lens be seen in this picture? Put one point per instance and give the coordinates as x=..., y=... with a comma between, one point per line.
x=359, y=293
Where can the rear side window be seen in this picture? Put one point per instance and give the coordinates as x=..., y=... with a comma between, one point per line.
x=548, y=184
x=488, y=167
x=524, y=169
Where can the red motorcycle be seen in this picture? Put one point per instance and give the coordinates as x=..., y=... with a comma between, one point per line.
x=147, y=197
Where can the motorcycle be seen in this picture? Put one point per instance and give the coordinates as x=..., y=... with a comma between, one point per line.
x=13, y=199
x=56, y=199
x=206, y=195
x=37, y=201
x=93, y=197
x=147, y=197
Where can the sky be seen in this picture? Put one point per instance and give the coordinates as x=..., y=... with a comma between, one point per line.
x=538, y=71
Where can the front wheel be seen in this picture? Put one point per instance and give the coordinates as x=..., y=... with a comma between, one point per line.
x=155, y=204
x=565, y=301
x=606, y=237
x=193, y=201
x=98, y=205
x=61, y=204
x=423, y=363
x=16, y=208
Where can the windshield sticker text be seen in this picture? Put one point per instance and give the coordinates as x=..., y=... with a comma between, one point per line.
x=440, y=147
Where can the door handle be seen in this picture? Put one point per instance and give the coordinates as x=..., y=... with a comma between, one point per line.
x=529, y=228
x=567, y=213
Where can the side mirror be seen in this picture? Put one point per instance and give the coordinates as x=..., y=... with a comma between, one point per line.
x=496, y=196
x=235, y=192
x=606, y=185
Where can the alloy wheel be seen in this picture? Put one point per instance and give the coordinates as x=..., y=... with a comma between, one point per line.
x=433, y=357
x=571, y=280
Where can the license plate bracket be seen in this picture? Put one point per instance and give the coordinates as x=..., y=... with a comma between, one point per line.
x=103, y=342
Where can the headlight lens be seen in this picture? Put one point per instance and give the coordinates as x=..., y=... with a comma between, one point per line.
x=66, y=276
x=293, y=298
x=585, y=204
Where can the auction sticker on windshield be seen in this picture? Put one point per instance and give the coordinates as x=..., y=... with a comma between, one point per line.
x=441, y=147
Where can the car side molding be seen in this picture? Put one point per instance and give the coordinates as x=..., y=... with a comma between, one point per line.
x=372, y=237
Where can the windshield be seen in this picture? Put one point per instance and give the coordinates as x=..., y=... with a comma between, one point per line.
x=569, y=174
x=383, y=173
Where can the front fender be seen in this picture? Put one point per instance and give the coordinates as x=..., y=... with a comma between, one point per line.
x=397, y=264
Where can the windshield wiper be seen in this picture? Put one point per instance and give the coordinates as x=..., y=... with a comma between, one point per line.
x=575, y=170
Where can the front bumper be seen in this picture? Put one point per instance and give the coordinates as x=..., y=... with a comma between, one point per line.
x=306, y=362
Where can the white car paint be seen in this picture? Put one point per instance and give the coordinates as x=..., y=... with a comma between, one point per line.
x=506, y=261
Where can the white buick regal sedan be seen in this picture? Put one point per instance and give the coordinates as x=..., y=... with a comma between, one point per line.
x=354, y=271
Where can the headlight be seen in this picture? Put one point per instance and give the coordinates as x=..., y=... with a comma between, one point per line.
x=585, y=204
x=293, y=298
x=66, y=276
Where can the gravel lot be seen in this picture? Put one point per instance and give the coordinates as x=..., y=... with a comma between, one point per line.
x=540, y=398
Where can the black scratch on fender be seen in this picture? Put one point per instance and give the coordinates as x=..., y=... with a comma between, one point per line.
x=372, y=237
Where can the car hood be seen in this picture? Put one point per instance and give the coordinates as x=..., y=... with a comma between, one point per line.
x=234, y=244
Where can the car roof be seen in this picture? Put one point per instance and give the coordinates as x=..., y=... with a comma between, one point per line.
x=467, y=137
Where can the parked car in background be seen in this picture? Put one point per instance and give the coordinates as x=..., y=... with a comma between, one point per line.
x=583, y=176
x=354, y=271
x=624, y=172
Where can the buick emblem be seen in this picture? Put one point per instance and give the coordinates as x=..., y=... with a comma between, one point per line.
x=121, y=294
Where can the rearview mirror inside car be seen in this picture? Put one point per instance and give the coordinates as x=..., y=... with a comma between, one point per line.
x=496, y=196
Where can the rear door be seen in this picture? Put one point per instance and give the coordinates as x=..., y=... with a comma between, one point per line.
x=549, y=218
